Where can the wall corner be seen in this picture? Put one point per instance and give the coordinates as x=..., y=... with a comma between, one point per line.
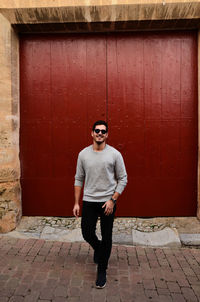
x=10, y=189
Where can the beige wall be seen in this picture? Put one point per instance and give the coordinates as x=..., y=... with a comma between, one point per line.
x=93, y=15
x=198, y=185
x=59, y=11
x=63, y=3
x=10, y=201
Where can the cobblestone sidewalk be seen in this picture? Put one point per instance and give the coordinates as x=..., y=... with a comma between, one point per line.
x=34, y=270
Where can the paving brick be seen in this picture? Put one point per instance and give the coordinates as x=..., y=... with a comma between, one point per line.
x=22, y=290
x=168, y=275
x=113, y=289
x=181, y=279
x=154, y=263
x=163, y=291
x=28, y=244
x=192, y=280
x=125, y=291
x=188, y=271
x=140, y=251
x=41, y=276
x=173, y=262
x=132, y=260
x=189, y=294
x=86, y=294
x=37, y=284
x=164, y=298
x=113, y=299
x=7, y=292
x=146, y=273
x=148, y=284
x=151, y=294
x=16, y=299
x=74, y=292
x=77, y=280
x=135, y=278
x=178, y=297
x=160, y=283
x=39, y=258
x=60, y=291
x=62, y=299
x=47, y=293
x=174, y=287
x=36, y=247
x=33, y=297
x=196, y=289
x=4, y=299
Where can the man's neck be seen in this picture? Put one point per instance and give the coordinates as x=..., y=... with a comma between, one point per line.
x=98, y=148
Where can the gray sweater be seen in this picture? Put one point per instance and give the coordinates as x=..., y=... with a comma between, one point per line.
x=104, y=173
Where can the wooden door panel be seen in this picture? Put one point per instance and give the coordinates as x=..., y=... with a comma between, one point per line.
x=152, y=113
x=63, y=90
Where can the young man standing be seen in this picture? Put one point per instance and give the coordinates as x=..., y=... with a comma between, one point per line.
x=101, y=168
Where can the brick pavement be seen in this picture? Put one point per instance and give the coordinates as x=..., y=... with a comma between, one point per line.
x=38, y=270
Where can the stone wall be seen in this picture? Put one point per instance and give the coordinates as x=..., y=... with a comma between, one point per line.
x=10, y=200
x=99, y=15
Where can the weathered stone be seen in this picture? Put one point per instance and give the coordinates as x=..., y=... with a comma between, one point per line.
x=122, y=238
x=190, y=239
x=95, y=11
x=10, y=206
x=9, y=173
x=166, y=237
x=10, y=196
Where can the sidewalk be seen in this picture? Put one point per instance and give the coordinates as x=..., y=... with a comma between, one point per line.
x=163, y=231
x=39, y=270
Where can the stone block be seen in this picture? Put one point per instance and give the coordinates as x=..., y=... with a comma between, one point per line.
x=190, y=239
x=9, y=172
x=122, y=238
x=58, y=234
x=165, y=237
x=10, y=206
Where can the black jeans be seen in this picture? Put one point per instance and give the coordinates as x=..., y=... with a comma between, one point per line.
x=90, y=213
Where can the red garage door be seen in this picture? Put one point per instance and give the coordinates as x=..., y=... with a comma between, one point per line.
x=145, y=85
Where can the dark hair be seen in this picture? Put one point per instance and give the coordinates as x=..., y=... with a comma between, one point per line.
x=100, y=123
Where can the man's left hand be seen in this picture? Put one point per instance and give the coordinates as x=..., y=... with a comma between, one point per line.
x=108, y=205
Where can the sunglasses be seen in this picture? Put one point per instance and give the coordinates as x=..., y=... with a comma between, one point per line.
x=98, y=131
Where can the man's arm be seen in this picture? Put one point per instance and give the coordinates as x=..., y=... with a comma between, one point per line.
x=121, y=177
x=79, y=179
x=121, y=174
x=77, y=194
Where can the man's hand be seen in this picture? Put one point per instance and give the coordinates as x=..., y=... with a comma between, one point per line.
x=108, y=205
x=76, y=210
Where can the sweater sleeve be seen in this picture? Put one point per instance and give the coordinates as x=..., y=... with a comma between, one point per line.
x=80, y=173
x=121, y=174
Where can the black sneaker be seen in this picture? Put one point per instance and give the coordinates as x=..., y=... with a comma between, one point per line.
x=101, y=279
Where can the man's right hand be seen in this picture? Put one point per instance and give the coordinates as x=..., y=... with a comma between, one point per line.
x=76, y=210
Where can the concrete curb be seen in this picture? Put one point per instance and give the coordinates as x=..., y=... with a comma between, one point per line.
x=165, y=237
x=168, y=237
x=190, y=239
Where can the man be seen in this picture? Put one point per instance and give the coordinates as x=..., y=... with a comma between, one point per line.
x=102, y=169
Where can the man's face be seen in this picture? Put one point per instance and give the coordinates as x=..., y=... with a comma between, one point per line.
x=97, y=134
